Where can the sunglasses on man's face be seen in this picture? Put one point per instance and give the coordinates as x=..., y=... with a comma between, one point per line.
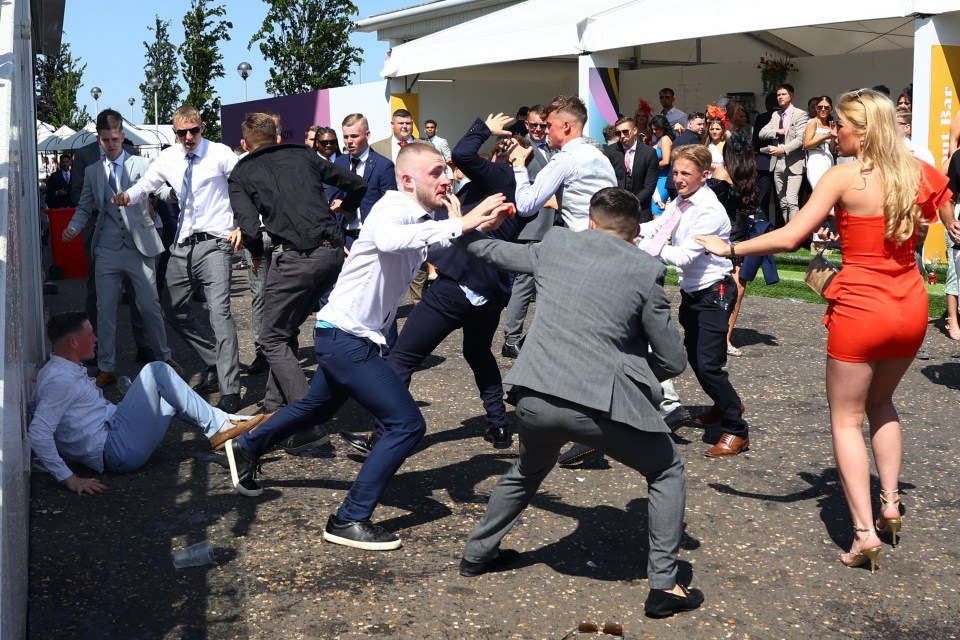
x=536, y=125
x=183, y=132
x=623, y=132
x=327, y=143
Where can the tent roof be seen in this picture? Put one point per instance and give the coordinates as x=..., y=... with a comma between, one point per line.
x=554, y=28
x=140, y=136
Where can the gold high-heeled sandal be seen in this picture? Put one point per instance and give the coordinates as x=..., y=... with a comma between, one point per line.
x=861, y=556
x=890, y=525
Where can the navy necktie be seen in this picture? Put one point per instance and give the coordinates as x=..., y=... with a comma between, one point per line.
x=114, y=183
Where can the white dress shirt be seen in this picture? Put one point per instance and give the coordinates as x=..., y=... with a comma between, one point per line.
x=707, y=217
x=382, y=263
x=207, y=210
x=356, y=223
x=69, y=417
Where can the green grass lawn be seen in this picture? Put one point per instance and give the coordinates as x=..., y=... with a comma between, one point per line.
x=793, y=266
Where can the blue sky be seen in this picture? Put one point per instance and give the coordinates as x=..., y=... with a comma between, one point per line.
x=118, y=68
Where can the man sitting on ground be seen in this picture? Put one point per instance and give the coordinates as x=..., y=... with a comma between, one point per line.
x=72, y=419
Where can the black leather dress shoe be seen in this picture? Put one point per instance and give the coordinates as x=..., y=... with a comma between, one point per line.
x=259, y=365
x=229, y=402
x=145, y=355
x=576, y=454
x=363, y=444
x=208, y=382
x=662, y=604
x=315, y=436
x=510, y=350
x=504, y=559
x=499, y=437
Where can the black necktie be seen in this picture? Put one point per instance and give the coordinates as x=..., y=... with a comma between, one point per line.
x=354, y=163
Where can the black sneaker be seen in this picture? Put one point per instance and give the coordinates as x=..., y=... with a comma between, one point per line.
x=243, y=470
x=360, y=535
x=677, y=418
x=315, y=436
x=259, y=365
x=504, y=559
x=363, y=444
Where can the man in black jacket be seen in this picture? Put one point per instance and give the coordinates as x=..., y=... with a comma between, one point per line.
x=639, y=175
x=283, y=185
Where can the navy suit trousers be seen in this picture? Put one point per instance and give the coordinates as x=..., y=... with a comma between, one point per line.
x=351, y=367
x=444, y=309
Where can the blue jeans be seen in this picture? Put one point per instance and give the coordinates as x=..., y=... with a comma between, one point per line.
x=349, y=366
x=143, y=416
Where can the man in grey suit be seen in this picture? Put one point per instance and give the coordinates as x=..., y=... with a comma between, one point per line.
x=523, y=288
x=125, y=243
x=592, y=377
x=784, y=134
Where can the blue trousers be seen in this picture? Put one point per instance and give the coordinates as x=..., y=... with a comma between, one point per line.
x=443, y=309
x=351, y=367
x=143, y=417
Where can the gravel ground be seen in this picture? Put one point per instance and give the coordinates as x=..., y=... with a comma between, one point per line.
x=763, y=530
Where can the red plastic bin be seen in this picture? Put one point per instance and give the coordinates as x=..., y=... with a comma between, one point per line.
x=69, y=256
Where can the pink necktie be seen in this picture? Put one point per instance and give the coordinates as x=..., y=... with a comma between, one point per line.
x=655, y=246
x=628, y=161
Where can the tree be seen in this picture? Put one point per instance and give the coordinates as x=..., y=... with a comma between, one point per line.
x=59, y=78
x=308, y=43
x=162, y=65
x=201, y=61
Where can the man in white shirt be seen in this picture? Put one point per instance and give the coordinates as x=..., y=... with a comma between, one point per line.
x=201, y=254
x=72, y=419
x=430, y=135
x=580, y=169
x=707, y=290
x=349, y=336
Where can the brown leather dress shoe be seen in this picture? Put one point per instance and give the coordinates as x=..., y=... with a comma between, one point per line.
x=713, y=415
x=728, y=445
x=106, y=377
x=237, y=427
x=176, y=367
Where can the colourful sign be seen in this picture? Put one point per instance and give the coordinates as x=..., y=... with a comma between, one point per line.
x=944, y=69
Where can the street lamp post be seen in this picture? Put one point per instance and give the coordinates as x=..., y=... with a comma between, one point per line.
x=244, y=70
x=131, y=101
x=155, y=83
x=95, y=92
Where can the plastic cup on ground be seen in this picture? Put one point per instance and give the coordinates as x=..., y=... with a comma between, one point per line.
x=195, y=555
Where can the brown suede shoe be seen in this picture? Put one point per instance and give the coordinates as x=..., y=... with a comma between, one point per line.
x=237, y=427
x=713, y=415
x=728, y=445
x=105, y=378
x=176, y=367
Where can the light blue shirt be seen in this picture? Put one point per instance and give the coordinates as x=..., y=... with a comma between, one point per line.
x=69, y=418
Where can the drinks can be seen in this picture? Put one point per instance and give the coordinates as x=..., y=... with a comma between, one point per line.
x=932, y=277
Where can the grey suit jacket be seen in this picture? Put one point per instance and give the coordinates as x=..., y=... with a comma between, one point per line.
x=543, y=222
x=795, y=157
x=597, y=356
x=83, y=157
x=136, y=218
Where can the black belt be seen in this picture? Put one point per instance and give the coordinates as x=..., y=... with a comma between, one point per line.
x=696, y=295
x=287, y=246
x=199, y=237
x=352, y=233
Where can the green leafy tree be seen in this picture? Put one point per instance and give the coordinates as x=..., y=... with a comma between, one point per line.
x=201, y=62
x=161, y=64
x=307, y=42
x=58, y=79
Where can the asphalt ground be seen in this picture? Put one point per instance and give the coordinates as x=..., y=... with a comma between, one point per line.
x=764, y=530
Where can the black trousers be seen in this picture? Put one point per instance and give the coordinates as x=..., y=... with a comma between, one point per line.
x=443, y=309
x=295, y=282
x=705, y=321
x=764, y=192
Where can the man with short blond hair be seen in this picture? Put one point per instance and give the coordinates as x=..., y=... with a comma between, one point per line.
x=201, y=255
